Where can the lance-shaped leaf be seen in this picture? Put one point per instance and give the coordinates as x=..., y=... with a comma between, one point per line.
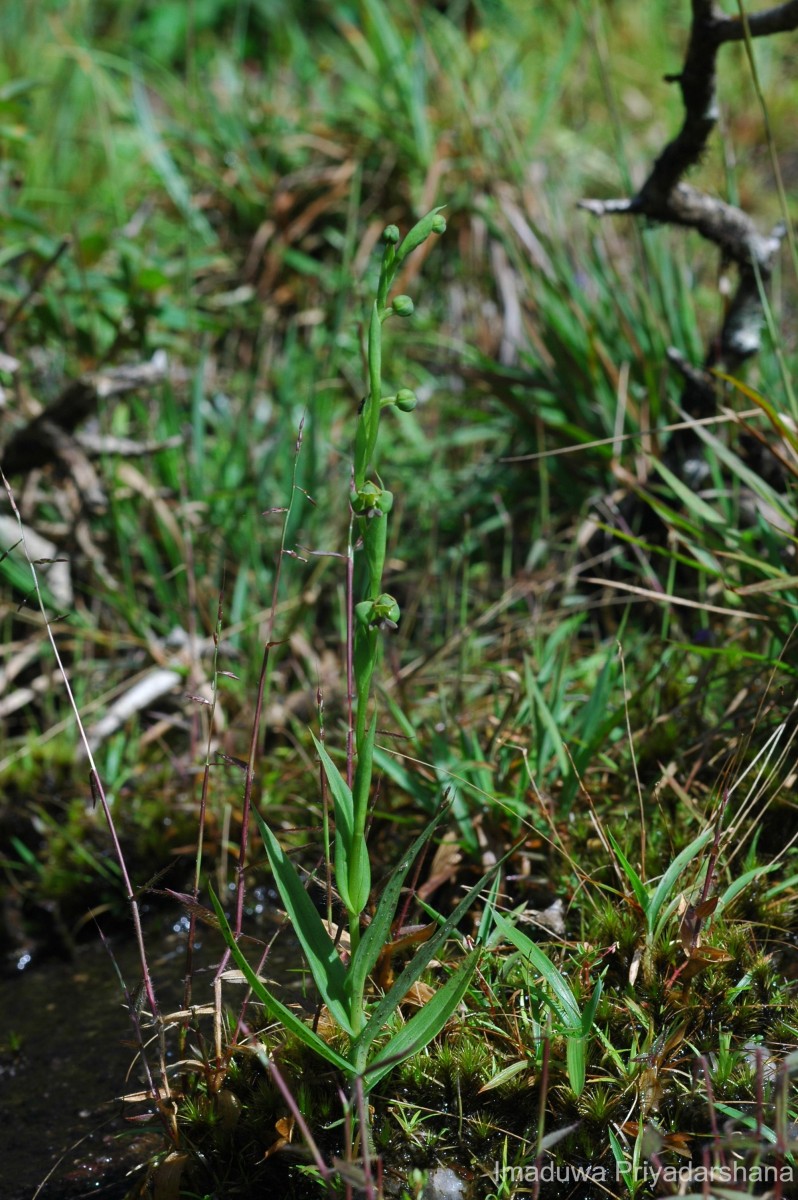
x=288, y=1019
x=379, y=930
x=328, y=971
x=666, y=885
x=344, y=808
x=638, y=887
x=576, y=1047
x=575, y=1025
x=563, y=1001
x=734, y=889
x=393, y=998
x=359, y=880
x=425, y=1025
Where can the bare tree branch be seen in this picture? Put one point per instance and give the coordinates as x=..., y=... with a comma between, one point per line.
x=779, y=19
x=666, y=198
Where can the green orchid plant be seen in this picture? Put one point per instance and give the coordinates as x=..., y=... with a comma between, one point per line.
x=343, y=981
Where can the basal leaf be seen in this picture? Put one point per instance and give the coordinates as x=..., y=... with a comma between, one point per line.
x=393, y=998
x=326, y=967
x=378, y=931
x=588, y=1016
x=288, y=1019
x=576, y=1063
x=638, y=887
x=666, y=885
x=426, y=1024
x=741, y=883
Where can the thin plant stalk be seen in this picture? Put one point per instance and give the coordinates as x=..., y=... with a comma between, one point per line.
x=256, y=721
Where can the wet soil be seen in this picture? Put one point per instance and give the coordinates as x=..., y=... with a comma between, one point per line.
x=62, y=1066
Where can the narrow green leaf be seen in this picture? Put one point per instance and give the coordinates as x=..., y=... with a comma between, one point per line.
x=595, y=720
x=700, y=510
x=486, y=920
x=426, y=1024
x=622, y=1164
x=548, y=722
x=328, y=971
x=342, y=796
x=344, y=808
x=362, y=782
x=576, y=1063
x=740, y=884
x=567, y=1008
x=359, y=883
x=424, y=955
x=278, y=1011
x=588, y=1016
x=576, y=1048
x=175, y=183
x=506, y=1074
x=783, y=886
x=669, y=879
x=638, y=887
x=378, y=931
x=556, y=1135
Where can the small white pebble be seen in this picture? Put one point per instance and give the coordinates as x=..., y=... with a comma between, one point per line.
x=443, y=1184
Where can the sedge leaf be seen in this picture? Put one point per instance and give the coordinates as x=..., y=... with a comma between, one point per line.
x=576, y=1063
x=666, y=884
x=638, y=887
x=565, y=1007
x=393, y=998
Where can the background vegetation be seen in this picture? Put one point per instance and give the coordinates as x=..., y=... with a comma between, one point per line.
x=210, y=180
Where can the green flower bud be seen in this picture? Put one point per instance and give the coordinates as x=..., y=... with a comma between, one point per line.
x=386, y=612
x=403, y=306
x=406, y=400
x=371, y=500
x=438, y=224
x=382, y=613
x=390, y=235
x=366, y=498
x=364, y=612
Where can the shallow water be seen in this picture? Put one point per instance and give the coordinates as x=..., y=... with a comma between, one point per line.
x=60, y=1115
x=57, y=1092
